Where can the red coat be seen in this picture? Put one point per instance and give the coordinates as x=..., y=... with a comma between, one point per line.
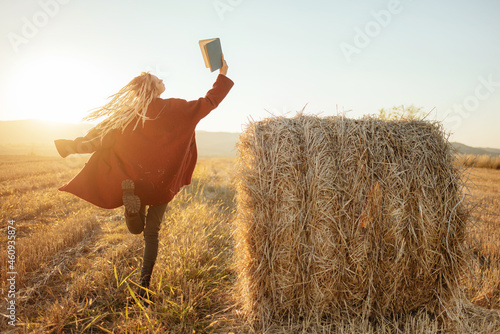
x=159, y=157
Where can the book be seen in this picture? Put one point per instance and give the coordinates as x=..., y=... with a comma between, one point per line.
x=212, y=53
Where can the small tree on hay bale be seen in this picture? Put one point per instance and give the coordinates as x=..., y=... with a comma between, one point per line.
x=401, y=113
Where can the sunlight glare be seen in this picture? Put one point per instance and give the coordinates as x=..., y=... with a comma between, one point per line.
x=56, y=89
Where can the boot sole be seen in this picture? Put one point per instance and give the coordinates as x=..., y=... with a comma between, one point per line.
x=131, y=201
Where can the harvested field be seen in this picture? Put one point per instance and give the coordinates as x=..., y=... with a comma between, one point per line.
x=80, y=283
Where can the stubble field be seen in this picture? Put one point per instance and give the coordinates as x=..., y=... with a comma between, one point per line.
x=76, y=265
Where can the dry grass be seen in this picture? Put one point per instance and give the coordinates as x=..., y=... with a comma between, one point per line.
x=479, y=161
x=78, y=265
x=84, y=287
x=483, y=284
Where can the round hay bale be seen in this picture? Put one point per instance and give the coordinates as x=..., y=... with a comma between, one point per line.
x=341, y=217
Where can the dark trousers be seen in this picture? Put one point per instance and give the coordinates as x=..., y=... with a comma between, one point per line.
x=151, y=221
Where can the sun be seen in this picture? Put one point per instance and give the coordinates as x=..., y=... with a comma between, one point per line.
x=55, y=88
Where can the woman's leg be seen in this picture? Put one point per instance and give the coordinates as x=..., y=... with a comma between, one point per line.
x=151, y=230
x=135, y=221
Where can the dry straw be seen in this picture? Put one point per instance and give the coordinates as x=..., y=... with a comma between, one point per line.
x=342, y=218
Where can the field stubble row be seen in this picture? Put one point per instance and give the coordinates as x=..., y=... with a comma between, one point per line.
x=78, y=265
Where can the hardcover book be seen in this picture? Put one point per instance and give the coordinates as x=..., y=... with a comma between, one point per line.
x=212, y=53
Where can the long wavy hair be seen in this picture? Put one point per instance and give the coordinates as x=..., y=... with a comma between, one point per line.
x=128, y=105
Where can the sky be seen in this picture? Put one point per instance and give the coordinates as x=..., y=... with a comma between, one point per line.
x=61, y=58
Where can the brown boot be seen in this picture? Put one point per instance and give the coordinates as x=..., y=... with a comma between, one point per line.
x=143, y=291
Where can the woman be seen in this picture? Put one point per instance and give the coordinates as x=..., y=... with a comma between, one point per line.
x=143, y=153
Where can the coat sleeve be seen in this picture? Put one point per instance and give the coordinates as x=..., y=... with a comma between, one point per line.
x=90, y=143
x=79, y=145
x=197, y=109
x=93, y=142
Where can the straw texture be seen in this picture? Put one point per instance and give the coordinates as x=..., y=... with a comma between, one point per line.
x=340, y=218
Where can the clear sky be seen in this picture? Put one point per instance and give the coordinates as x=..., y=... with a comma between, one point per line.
x=59, y=59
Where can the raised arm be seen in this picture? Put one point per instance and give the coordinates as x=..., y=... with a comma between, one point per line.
x=223, y=69
x=200, y=108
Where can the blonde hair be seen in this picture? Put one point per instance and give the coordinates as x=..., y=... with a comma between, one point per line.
x=129, y=104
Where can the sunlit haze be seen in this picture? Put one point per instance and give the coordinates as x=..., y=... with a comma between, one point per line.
x=60, y=59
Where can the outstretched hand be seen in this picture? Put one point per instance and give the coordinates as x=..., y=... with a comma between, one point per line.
x=223, y=69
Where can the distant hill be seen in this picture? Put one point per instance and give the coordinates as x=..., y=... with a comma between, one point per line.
x=37, y=137
x=461, y=148
x=36, y=131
